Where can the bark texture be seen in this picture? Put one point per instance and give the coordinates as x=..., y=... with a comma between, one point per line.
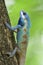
x=7, y=40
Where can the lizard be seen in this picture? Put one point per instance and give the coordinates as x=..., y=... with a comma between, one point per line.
x=23, y=29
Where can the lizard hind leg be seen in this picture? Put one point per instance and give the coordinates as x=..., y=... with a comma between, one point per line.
x=11, y=54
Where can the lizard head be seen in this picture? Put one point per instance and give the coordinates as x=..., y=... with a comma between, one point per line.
x=24, y=15
x=24, y=18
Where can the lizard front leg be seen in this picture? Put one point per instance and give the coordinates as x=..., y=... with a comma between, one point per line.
x=14, y=28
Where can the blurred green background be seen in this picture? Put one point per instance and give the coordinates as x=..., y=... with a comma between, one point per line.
x=34, y=8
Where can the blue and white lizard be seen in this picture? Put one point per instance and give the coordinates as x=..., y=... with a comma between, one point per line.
x=23, y=28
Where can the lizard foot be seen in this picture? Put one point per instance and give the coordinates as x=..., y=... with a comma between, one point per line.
x=11, y=54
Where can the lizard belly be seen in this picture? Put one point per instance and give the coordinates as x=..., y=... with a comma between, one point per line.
x=22, y=39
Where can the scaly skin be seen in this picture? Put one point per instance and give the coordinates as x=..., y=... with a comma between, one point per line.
x=23, y=28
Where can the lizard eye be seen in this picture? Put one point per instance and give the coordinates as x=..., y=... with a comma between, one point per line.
x=24, y=13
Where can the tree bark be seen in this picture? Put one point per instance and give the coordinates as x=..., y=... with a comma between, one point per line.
x=7, y=40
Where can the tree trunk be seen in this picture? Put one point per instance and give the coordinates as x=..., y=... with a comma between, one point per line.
x=7, y=40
